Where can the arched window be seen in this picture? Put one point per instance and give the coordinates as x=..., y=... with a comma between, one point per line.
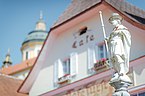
x=27, y=55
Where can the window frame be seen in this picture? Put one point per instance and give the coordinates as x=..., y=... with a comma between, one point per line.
x=67, y=63
x=99, y=57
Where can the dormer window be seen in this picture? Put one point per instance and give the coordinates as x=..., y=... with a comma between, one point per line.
x=83, y=30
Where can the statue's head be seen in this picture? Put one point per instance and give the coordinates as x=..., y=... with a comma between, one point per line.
x=115, y=19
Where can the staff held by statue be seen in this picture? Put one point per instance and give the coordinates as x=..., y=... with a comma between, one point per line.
x=104, y=34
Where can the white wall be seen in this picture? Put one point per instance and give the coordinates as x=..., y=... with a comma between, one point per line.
x=41, y=81
x=63, y=47
x=138, y=39
x=21, y=75
x=32, y=52
x=138, y=71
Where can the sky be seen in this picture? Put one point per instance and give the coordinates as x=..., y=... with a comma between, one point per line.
x=18, y=18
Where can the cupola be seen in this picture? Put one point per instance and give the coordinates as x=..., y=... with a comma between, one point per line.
x=34, y=40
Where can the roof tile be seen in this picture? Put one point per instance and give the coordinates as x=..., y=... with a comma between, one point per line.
x=9, y=86
x=78, y=6
x=18, y=67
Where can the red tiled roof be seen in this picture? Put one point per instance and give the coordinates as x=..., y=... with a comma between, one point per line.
x=18, y=67
x=9, y=86
x=79, y=6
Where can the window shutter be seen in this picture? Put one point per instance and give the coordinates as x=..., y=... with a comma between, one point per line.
x=60, y=69
x=105, y=51
x=74, y=63
x=91, y=57
x=56, y=71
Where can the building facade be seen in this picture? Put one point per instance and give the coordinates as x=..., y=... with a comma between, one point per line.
x=73, y=59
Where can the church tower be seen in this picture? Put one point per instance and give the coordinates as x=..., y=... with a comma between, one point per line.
x=7, y=62
x=34, y=40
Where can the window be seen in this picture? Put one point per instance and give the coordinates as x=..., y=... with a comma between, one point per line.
x=134, y=95
x=27, y=55
x=139, y=94
x=142, y=94
x=64, y=68
x=102, y=51
x=83, y=30
x=95, y=54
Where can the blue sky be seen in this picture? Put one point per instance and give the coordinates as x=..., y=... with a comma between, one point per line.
x=18, y=18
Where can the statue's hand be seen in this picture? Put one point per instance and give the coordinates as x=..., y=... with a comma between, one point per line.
x=107, y=39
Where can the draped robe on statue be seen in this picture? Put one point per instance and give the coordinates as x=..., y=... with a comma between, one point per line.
x=119, y=44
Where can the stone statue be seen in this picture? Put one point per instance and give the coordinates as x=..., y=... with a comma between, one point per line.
x=119, y=43
x=118, y=48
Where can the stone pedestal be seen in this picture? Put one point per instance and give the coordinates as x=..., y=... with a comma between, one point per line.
x=120, y=88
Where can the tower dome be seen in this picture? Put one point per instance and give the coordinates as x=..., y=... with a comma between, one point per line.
x=34, y=40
